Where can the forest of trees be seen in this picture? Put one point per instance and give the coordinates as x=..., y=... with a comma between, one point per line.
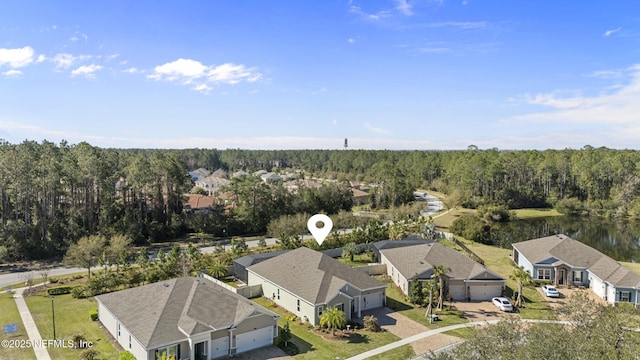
x=51, y=195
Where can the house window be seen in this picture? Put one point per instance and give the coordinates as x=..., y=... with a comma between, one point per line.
x=392, y=272
x=118, y=330
x=319, y=310
x=129, y=341
x=169, y=352
x=625, y=296
x=577, y=276
x=544, y=274
x=278, y=294
x=340, y=307
x=298, y=304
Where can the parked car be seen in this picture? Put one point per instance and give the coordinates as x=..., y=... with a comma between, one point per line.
x=502, y=303
x=550, y=291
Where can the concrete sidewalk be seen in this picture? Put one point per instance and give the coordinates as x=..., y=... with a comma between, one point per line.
x=29, y=324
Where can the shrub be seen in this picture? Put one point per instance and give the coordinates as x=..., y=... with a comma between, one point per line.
x=60, y=290
x=89, y=354
x=291, y=318
x=77, y=339
x=93, y=314
x=371, y=323
x=77, y=277
x=77, y=292
x=54, y=280
x=125, y=355
x=472, y=228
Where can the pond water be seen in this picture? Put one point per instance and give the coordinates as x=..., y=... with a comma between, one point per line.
x=618, y=239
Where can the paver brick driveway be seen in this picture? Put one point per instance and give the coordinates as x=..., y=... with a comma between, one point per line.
x=403, y=327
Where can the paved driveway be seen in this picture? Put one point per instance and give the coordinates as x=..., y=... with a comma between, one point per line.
x=403, y=327
x=270, y=352
x=480, y=310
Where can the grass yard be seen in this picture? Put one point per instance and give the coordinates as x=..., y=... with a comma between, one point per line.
x=633, y=266
x=443, y=222
x=396, y=301
x=9, y=315
x=499, y=260
x=312, y=346
x=72, y=317
x=535, y=213
x=358, y=260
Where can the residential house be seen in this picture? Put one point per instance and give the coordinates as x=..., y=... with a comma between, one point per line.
x=270, y=177
x=240, y=173
x=562, y=260
x=199, y=173
x=188, y=318
x=220, y=173
x=359, y=197
x=212, y=183
x=199, y=203
x=466, y=280
x=306, y=282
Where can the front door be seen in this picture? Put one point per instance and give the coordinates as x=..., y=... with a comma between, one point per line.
x=563, y=275
x=201, y=350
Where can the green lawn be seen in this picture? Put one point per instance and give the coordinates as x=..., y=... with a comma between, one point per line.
x=313, y=346
x=535, y=213
x=443, y=222
x=358, y=260
x=72, y=317
x=633, y=266
x=9, y=315
x=499, y=260
x=396, y=301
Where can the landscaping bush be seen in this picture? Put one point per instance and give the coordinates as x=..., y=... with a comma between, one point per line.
x=77, y=277
x=60, y=290
x=54, y=280
x=125, y=355
x=77, y=292
x=93, y=314
x=89, y=354
x=371, y=323
x=77, y=339
x=291, y=318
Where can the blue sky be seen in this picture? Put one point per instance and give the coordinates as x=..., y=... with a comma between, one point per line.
x=391, y=74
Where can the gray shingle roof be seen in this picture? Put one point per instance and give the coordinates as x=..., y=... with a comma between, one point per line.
x=312, y=275
x=419, y=259
x=578, y=255
x=156, y=313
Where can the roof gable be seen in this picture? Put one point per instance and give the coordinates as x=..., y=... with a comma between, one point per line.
x=419, y=259
x=312, y=275
x=168, y=311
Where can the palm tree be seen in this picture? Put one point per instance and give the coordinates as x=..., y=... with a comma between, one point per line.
x=524, y=279
x=439, y=271
x=397, y=231
x=349, y=249
x=333, y=318
x=217, y=269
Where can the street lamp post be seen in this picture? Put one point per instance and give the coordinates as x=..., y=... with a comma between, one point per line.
x=53, y=317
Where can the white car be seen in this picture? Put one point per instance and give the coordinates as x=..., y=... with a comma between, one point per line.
x=550, y=291
x=502, y=303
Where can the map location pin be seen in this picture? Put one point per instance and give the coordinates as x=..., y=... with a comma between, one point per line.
x=320, y=233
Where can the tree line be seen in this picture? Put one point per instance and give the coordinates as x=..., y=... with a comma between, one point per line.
x=51, y=195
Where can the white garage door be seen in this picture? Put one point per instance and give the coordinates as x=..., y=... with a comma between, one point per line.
x=372, y=301
x=484, y=292
x=457, y=292
x=219, y=347
x=254, y=339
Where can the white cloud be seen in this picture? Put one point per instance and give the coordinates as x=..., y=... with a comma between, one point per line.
x=12, y=73
x=86, y=70
x=334, y=122
x=404, y=7
x=611, y=32
x=131, y=70
x=41, y=58
x=351, y=41
x=16, y=58
x=462, y=25
x=367, y=16
x=189, y=71
x=617, y=105
x=65, y=61
x=606, y=74
x=376, y=130
x=74, y=38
